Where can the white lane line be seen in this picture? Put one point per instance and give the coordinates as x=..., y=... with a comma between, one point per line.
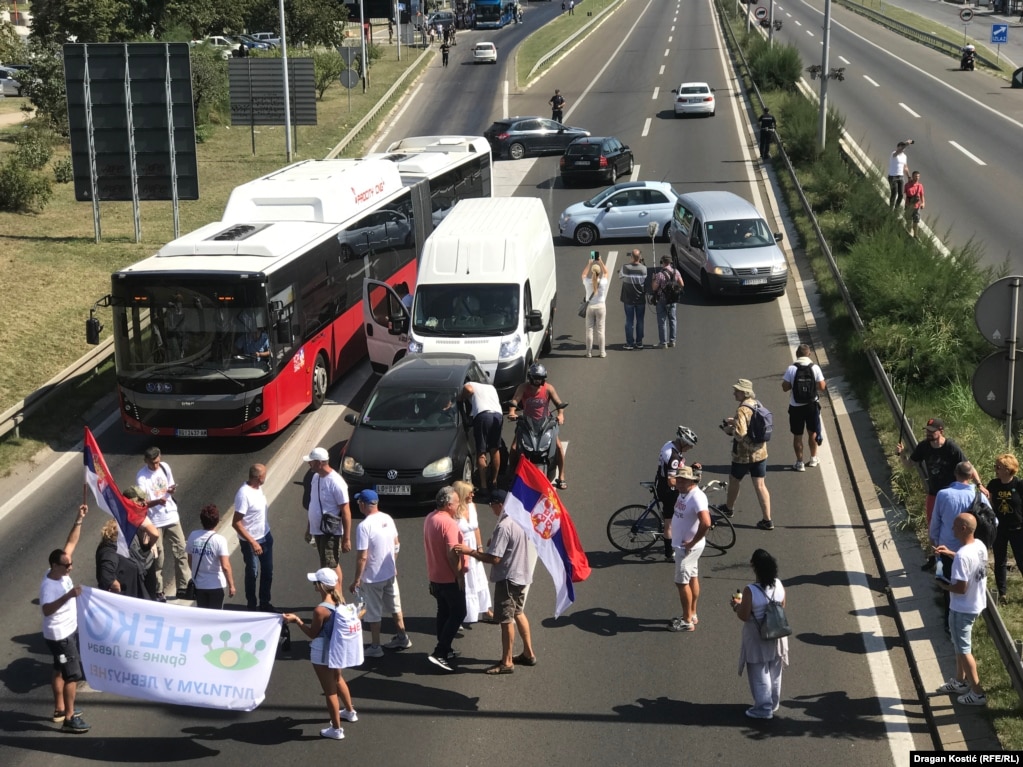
x=657, y=92
x=635, y=173
x=909, y=110
x=872, y=82
x=798, y=24
x=810, y=33
x=667, y=51
x=843, y=59
x=646, y=127
x=967, y=153
x=661, y=70
x=670, y=38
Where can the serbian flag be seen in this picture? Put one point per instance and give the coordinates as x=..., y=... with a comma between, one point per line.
x=533, y=504
x=129, y=515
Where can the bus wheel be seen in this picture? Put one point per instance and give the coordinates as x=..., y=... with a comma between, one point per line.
x=321, y=380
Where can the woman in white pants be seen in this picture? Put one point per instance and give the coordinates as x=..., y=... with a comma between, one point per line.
x=595, y=282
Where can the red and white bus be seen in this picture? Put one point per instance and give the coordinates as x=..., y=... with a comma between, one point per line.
x=239, y=326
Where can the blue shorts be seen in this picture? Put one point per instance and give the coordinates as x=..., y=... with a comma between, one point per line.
x=757, y=469
x=486, y=429
x=960, y=626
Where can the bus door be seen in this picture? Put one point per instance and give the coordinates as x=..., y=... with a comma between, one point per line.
x=386, y=317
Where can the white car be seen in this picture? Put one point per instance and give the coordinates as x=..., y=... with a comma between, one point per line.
x=9, y=85
x=484, y=53
x=226, y=45
x=694, y=99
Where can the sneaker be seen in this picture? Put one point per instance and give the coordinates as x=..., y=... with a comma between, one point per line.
x=1003, y=599
x=671, y=344
x=400, y=642
x=798, y=466
x=752, y=713
x=77, y=725
x=973, y=699
x=349, y=716
x=681, y=625
x=628, y=347
x=373, y=651
x=452, y=654
x=639, y=346
x=669, y=555
x=724, y=510
x=588, y=355
x=160, y=597
x=266, y=607
x=813, y=463
x=929, y=564
x=603, y=354
x=58, y=716
x=334, y=733
x=954, y=685
x=441, y=663
x=765, y=524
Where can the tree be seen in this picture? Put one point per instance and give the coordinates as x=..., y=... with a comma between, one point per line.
x=86, y=21
x=12, y=49
x=313, y=22
x=43, y=84
x=328, y=66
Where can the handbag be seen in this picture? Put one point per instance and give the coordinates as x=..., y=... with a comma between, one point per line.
x=582, y=308
x=190, y=588
x=775, y=624
x=330, y=524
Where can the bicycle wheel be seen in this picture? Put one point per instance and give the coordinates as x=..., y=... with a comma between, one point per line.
x=721, y=535
x=634, y=528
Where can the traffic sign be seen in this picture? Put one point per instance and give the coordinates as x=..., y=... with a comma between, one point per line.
x=993, y=311
x=1017, y=78
x=760, y=12
x=966, y=15
x=990, y=386
x=999, y=34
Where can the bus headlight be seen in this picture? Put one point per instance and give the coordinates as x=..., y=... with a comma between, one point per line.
x=350, y=466
x=439, y=468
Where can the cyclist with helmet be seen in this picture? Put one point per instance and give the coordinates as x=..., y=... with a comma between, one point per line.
x=535, y=397
x=671, y=459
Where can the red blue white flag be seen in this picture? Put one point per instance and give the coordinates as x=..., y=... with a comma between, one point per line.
x=534, y=505
x=129, y=515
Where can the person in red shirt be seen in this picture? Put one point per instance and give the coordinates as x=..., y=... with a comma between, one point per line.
x=446, y=571
x=914, y=201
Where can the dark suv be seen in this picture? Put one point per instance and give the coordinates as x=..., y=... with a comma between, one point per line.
x=598, y=159
x=515, y=137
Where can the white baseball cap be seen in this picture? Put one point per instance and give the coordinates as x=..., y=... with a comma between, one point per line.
x=317, y=454
x=324, y=575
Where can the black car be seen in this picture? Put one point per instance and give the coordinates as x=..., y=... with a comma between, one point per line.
x=413, y=436
x=597, y=160
x=515, y=137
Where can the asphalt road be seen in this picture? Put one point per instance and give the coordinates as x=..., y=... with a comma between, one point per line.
x=612, y=686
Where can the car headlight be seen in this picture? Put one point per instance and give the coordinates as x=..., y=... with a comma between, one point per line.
x=724, y=271
x=510, y=348
x=779, y=268
x=439, y=468
x=350, y=466
x=414, y=347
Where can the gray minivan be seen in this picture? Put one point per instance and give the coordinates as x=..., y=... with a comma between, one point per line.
x=722, y=240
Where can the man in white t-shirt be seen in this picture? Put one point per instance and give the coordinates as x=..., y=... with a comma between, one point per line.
x=804, y=382
x=689, y=525
x=328, y=494
x=57, y=597
x=967, y=587
x=376, y=573
x=157, y=482
x=487, y=420
x=254, y=539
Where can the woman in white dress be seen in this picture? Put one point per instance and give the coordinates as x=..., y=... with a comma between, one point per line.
x=477, y=587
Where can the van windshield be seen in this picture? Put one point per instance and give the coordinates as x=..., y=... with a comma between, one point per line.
x=466, y=310
x=738, y=234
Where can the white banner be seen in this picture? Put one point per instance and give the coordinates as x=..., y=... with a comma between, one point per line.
x=171, y=654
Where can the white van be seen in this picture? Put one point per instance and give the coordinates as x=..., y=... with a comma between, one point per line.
x=487, y=286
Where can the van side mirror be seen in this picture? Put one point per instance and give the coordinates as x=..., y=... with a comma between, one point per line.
x=534, y=321
x=778, y=236
x=397, y=324
x=695, y=241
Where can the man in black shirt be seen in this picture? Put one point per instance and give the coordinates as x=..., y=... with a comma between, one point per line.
x=557, y=102
x=767, y=126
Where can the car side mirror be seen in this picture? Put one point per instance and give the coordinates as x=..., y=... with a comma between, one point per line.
x=352, y=418
x=534, y=321
x=778, y=236
x=608, y=205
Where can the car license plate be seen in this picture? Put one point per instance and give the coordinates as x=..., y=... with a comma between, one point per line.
x=394, y=489
x=755, y=281
x=582, y=162
x=190, y=432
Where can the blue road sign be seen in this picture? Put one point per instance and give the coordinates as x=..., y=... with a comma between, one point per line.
x=999, y=33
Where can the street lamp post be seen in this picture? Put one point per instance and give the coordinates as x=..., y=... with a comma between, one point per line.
x=287, y=89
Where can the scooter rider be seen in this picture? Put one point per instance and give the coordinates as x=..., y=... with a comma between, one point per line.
x=670, y=460
x=535, y=397
x=967, y=57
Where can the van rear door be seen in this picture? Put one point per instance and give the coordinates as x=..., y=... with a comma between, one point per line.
x=386, y=322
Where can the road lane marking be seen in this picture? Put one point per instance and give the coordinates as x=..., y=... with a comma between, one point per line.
x=872, y=82
x=657, y=92
x=967, y=153
x=635, y=172
x=909, y=110
x=646, y=127
x=844, y=60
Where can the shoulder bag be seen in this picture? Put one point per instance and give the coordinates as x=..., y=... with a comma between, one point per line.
x=190, y=588
x=582, y=307
x=775, y=624
x=330, y=524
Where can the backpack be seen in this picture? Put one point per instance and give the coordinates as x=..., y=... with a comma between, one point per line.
x=803, y=385
x=775, y=624
x=761, y=424
x=671, y=291
x=987, y=522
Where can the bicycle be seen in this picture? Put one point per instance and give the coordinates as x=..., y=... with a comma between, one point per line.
x=635, y=528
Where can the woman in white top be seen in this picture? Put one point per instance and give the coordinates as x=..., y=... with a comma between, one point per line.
x=898, y=172
x=210, y=560
x=477, y=587
x=595, y=282
x=762, y=658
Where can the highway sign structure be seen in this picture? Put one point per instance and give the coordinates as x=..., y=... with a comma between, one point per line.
x=999, y=34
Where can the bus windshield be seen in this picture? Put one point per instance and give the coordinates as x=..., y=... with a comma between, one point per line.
x=185, y=330
x=466, y=310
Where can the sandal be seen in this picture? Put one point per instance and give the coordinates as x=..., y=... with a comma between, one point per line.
x=499, y=669
x=522, y=660
x=560, y=484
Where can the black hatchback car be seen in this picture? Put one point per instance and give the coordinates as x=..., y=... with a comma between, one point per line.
x=413, y=436
x=515, y=137
x=597, y=160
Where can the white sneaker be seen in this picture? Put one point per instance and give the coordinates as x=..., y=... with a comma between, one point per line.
x=973, y=699
x=798, y=466
x=374, y=651
x=399, y=642
x=953, y=685
x=349, y=716
x=334, y=733
x=813, y=462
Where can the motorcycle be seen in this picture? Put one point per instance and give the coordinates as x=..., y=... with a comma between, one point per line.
x=536, y=440
x=967, y=62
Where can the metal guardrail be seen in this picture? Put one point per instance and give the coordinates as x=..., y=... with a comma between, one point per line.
x=552, y=54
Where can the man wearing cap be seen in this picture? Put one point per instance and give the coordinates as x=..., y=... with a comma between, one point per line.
x=939, y=457
x=508, y=553
x=689, y=525
x=254, y=539
x=666, y=275
x=747, y=457
x=328, y=494
x=376, y=573
x=446, y=571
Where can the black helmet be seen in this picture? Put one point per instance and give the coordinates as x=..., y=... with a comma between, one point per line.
x=536, y=374
x=686, y=435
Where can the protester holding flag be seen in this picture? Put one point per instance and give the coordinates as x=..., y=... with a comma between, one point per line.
x=116, y=572
x=57, y=596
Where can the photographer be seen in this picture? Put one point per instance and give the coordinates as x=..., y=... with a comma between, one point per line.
x=595, y=283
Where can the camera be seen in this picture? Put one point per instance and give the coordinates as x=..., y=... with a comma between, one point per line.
x=723, y=424
x=594, y=255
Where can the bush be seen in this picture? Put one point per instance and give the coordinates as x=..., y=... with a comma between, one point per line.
x=23, y=190
x=43, y=84
x=774, y=68
x=328, y=66
x=34, y=148
x=63, y=172
x=210, y=95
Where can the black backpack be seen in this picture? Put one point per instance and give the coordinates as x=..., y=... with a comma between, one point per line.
x=987, y=522
x=803, y=385
x=671, y=291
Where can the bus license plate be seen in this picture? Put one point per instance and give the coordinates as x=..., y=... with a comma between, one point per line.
x=190, y=433
x=394, y=489
x=755, y=281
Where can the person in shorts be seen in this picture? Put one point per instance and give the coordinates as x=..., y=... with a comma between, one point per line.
x=328, y=494
x=57, y=597
x=689, y=525
x=487, y=420
x=748, y=457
